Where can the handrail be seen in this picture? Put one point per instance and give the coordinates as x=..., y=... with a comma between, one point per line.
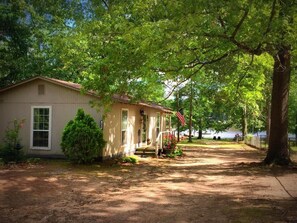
x=159, y=139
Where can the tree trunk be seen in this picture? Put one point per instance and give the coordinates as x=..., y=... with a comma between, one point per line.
x=191, y=113
x=178, y=122
x=200, y=134
x=296, y=130
x=278, y=150
x=268, y=120
x=244, y=122
x=200, y=129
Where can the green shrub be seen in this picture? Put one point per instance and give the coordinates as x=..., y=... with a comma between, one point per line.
x=248, y=137
x=130, y=159
x=176, y=152
x=33, y=160
x=82, y=139
x=11, y=150
x=10, y=154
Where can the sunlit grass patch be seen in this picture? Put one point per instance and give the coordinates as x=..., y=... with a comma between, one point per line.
x=210, y=143
x=294, y=149
x=130, y=159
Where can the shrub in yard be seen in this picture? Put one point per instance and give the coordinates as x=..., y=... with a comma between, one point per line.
x=33, y=160
x=82, y=139
x=176, y=152
x=130, y=159
x=11, y=150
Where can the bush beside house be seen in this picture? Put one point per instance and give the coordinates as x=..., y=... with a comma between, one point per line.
x=82, y=139
x=11, y=150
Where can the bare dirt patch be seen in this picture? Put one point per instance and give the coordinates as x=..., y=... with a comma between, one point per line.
x=211, y=183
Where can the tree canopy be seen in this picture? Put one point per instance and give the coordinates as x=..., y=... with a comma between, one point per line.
x=230, y=49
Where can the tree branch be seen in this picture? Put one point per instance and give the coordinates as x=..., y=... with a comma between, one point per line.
x=232, y=37
x=197, y=62
x=181, y=82
x=105, y=4
x=246, y=11
x=202, y=64
x=242, y=46
x=272, y=14
x=245, y=73
x=222, y=22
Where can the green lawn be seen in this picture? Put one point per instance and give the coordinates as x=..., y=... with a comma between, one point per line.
x=209, y=143
x=294, y=148
x=221, y=143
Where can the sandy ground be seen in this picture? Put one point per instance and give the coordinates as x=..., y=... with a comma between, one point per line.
x=213, y=183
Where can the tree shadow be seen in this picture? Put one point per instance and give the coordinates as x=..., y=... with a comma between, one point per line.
x=205, y=185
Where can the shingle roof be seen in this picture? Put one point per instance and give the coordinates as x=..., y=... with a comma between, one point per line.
x=74, y=86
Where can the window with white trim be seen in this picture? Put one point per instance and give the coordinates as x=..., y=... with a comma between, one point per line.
x=124, y=126
x=41, y=127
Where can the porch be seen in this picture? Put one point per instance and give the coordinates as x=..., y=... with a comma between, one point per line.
x=156, y=148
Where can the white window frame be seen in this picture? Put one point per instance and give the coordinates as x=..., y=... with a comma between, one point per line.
x=126, y=134
x=49, y=128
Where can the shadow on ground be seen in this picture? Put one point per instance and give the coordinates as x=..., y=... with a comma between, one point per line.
x=208, y=184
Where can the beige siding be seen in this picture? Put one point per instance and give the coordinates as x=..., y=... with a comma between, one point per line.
x=17, y=102
x=112, y=128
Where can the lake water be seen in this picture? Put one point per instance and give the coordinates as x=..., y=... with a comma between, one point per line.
x=229, y=134
x=209, y=134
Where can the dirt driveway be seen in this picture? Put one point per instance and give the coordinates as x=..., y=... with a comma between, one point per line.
x=211, y=183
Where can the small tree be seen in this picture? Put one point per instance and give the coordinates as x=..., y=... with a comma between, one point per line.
x=11, y=151
x=82, y=139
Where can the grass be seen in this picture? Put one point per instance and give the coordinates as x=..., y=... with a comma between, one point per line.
x=130, y=159
x=210, y=143
x=294, y=149
x=205, y=141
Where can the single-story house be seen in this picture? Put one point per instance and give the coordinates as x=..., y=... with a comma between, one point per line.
x=48, y=104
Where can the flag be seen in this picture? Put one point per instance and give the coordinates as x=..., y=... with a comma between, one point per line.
x=181, y=118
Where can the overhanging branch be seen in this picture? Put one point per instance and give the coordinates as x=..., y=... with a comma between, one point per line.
x=232, y=38
x=197, y=62
x=272, y=14
x=245, y=14
x=245, y=73
x=181, y=82
x=201, y=65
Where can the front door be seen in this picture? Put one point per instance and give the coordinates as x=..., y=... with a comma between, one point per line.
x=144, y=129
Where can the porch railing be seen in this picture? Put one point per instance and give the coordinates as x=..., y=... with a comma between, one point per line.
x=159, y=140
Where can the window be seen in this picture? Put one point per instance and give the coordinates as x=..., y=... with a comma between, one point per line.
x=124, y=126
x=41, y=127
x=158, y=124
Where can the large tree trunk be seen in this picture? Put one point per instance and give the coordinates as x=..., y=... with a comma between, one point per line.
x=278, y=150
x=296, y=130
x=268, y=120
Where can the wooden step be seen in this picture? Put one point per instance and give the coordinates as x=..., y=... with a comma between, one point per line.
x=145, y=151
